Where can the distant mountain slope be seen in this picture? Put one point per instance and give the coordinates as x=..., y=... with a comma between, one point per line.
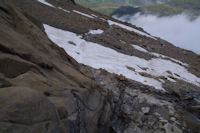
x=108, y=6
x=136, y=2
x=158, y=7
x=173, y=7
x=192, y=6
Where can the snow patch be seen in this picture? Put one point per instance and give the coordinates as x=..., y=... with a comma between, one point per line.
x=130, y=29
x=99, y=31
x=140, y=48
x=98, y=56
x=46, y=3
x=103, y=19
x=159, y=55
x=83, y=14
x=94, y=15
x=63, y=9
x=166, y=57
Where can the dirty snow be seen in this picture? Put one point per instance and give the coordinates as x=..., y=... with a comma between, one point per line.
x=129, y=28
x=83, y=14
x=46, y=3
x=99, y=31
x=98, y=56
x=63, y=9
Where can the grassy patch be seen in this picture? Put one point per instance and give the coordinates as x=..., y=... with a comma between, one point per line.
x=106, y=11
x=167, y=9
x=161, y=9
x=105, y=8
x=94, y=5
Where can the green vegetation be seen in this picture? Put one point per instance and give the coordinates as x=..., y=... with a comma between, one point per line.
x=96, y=4
x=174, y=7
x=161, y=9
x=105, y=8
x=106, y=11
x=190, y=6
x=134, y=2
x=186, y=3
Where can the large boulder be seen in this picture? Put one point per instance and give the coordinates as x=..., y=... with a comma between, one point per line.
x=24, y=110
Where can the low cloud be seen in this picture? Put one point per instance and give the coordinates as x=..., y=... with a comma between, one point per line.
x=179, y=29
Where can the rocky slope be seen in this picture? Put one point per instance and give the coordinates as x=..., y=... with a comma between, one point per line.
x=68, y=69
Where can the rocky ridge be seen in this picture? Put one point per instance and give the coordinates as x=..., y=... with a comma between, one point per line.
x=48, y=89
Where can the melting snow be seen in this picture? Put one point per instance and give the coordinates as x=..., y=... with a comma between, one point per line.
x=158, y=55
x=96, y=31
x=103, y=19
x=139, y=48
x=98, y=56
x=83, y=14
x=46, y=3
x=63, y=9
x=163, y=56
x=129, y=28
x=94, y=15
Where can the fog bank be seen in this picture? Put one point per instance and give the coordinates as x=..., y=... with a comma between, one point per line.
x=179, y=30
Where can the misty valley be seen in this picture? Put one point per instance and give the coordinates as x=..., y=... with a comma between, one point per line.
x=179, y=29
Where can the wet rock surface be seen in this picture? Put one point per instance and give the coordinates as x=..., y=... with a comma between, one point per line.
x=44, y=90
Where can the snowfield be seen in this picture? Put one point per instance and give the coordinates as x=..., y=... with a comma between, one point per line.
x=98, y=56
